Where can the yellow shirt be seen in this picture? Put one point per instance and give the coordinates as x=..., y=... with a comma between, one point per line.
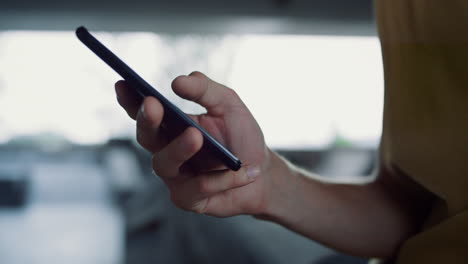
x=425, y=134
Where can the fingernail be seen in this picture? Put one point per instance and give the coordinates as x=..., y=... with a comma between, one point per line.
x=142, y=111
x=252, y=172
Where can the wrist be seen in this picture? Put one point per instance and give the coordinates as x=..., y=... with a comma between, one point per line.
x=281, y=184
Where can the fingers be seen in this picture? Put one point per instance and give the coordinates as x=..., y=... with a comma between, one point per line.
x=149, y=117
x=200, y=89
x=167, y=162
x=128, y=98
x=193, y=191
x=218, y=181
x=200, y=193
x=148, y=113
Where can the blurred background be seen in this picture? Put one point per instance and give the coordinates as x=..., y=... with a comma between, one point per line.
x=74, y=185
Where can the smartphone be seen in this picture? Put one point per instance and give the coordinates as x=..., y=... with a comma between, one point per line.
x=175, y=121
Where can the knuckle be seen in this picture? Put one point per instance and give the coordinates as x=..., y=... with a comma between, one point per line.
x=232, y=94
x=230, y=91
x=193, y=143
x=144, y=141
x=130, y=113
x=199, y=207
x=196, y=73
x=204, y=185
x=157, y=168
x=236, y=179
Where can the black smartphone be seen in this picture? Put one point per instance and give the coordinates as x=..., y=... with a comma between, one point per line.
x=175, y=121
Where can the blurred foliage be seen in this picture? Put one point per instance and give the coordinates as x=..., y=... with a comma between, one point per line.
x=341, y=141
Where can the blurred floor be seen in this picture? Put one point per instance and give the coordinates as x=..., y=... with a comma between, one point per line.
x=182, y=237
x=68, y=217
x=74, y=213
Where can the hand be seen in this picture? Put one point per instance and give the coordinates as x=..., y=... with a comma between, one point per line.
x=210, y=188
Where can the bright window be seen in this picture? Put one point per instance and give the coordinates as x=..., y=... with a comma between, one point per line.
x=305, y=91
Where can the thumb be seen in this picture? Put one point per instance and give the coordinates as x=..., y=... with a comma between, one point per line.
x=215, y=97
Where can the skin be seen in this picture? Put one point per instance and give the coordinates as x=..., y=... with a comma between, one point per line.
x=368, y=219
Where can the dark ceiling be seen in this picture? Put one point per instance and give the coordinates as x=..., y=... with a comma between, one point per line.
x=184, y=16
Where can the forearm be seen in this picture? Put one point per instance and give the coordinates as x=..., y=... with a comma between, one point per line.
x=360, y=219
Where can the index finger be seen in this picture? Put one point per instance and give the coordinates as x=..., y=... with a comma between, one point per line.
x=128, y=98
